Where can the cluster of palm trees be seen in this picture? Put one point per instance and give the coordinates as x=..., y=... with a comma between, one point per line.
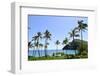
x=36, y=42
x=57, y=43
x=76, y=32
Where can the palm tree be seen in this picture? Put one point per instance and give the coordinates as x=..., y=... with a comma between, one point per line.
x=47, y=36
x=57, y=43
x=73, y=34
x=29, y=46
x=41, y=46
x=46, y=46
x=39, y=36
x=65, y=41
x=33, y=50
x=36, y=40
x=82, y=27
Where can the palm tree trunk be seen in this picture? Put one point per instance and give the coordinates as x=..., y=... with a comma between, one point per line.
x=28, y=50
x=81, y=41
x=41, y=52
x=38, y=51
x=73, y=38
x=57, y=48
x=38, y=47
x=45, y=48
x=34, y=51
x=74, y=45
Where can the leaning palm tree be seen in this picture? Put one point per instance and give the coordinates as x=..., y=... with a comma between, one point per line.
x=47, y=36
x=57, y=43
x=34, y=40
x=29, y=46
x=82, y=27
x=74, y=33
x=37, y=38
x=37, y=51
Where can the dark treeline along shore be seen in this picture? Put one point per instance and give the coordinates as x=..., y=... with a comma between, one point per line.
x=76, y=43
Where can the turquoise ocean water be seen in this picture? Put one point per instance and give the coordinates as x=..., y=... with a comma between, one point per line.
x=50, y=52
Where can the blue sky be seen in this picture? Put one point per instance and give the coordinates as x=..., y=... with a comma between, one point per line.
x=59, y=26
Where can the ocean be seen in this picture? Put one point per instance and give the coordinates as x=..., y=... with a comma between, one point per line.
x=50, y=52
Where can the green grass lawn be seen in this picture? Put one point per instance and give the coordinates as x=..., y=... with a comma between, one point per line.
x=31, y=58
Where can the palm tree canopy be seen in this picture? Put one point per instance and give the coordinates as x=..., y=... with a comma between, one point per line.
x=65, y=41
x=34, y=38
x=74, y=32
x=47, y=34
x=82, y=26
x=30, y=44
x=41, y=45
x=39, y=35
x=36, y=44
x=57, y=42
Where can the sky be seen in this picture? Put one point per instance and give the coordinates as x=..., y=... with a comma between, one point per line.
x=58, y=26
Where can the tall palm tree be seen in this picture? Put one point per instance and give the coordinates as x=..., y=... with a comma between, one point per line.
x=82, y=27
x=39, y=36
x=57, y=43
x=36, y=40
x=47, y=36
